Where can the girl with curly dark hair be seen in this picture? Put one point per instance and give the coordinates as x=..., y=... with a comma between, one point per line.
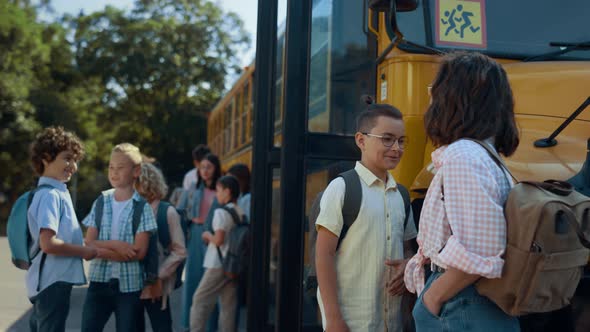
x=462, y=226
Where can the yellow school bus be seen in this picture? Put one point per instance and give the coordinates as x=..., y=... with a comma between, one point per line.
x=391, y=49
x=548, y=87
x=546, y=92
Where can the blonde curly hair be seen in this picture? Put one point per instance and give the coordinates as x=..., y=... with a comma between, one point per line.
x=151, y=184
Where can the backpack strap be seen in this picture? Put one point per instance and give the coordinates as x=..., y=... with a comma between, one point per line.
x=351, y=205
x=98, y=211
x=234, y=215
x=162, y=221
x=29, y=201
x=237, y=221
x=495, y=157
x=38, y=249
x=353, y=196
x=137, y=212
x=406, y=197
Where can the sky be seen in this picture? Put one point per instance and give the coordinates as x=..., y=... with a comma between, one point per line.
x=246, y=9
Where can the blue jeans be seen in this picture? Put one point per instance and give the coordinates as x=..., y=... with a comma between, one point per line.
x=104, y=298
x=51, y=308
x=466, y=311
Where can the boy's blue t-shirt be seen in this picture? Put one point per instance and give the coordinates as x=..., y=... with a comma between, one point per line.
x=53, y=209
x=130, y=274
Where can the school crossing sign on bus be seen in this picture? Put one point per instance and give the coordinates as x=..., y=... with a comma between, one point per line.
x=461, y=23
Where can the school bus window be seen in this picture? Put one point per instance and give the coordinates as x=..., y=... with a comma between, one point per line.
x=217, y=140
x=227, y=127
x=341, y=66
x=231, y=124
x=489, y=19
x=244, y=119
x=251, y=111
x=221, y=132
x=278, y=100
x=211, y=130
x=235, y=120
x=212, y=135
x=279, y=81
x=240, y=110
x=244, y=124
x=243, y=107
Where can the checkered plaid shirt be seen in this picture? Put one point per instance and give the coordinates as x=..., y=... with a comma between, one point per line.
x=130, y=273
x=462, y=223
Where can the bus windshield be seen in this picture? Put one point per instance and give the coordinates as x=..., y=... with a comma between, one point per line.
x=500, y=28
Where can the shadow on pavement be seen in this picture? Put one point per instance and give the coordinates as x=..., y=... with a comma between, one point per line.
x=75, y=316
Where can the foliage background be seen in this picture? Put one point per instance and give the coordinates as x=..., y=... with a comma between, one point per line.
x=148, y=76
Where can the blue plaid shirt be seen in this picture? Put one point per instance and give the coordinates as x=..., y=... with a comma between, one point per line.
x=130, y=273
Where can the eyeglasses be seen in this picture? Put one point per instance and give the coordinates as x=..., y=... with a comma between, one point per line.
x=389, y=140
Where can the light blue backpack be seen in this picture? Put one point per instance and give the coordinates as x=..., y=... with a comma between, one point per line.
x=19, y=237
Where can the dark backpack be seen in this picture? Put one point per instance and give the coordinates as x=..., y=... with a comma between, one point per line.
x=353, y=197
x=164, y=234
x=235, y=262
x=150, y=261
x=19, y=235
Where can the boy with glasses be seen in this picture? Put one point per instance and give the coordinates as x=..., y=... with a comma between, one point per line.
x=360, y=287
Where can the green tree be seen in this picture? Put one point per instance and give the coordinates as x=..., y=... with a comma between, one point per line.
x=149, y=76
x=164, y=66
x=40, y=86
x=67, y=98
x=21, y=47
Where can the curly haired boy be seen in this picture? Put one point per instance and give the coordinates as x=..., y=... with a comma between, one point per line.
x=53, y=225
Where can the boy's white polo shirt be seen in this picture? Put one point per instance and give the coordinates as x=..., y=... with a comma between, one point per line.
x=376, y=235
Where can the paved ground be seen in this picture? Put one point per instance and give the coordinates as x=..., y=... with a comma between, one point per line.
x=15, y=307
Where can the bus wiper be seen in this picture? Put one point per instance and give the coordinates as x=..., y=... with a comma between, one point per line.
x=399, y=39
x=551, y=141
x=563, y=49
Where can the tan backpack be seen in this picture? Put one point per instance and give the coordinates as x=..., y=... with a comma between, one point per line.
x=546, y=246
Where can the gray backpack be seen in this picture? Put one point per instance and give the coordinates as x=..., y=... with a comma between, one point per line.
x=353, y=197
x=235, y=262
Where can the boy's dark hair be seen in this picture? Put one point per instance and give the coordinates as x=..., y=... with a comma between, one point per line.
x=200, y=152
x=242, y=173
x=367, y=119
x=216, y=174
x=472, y=98
x=50, y=142
x=230, y=182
